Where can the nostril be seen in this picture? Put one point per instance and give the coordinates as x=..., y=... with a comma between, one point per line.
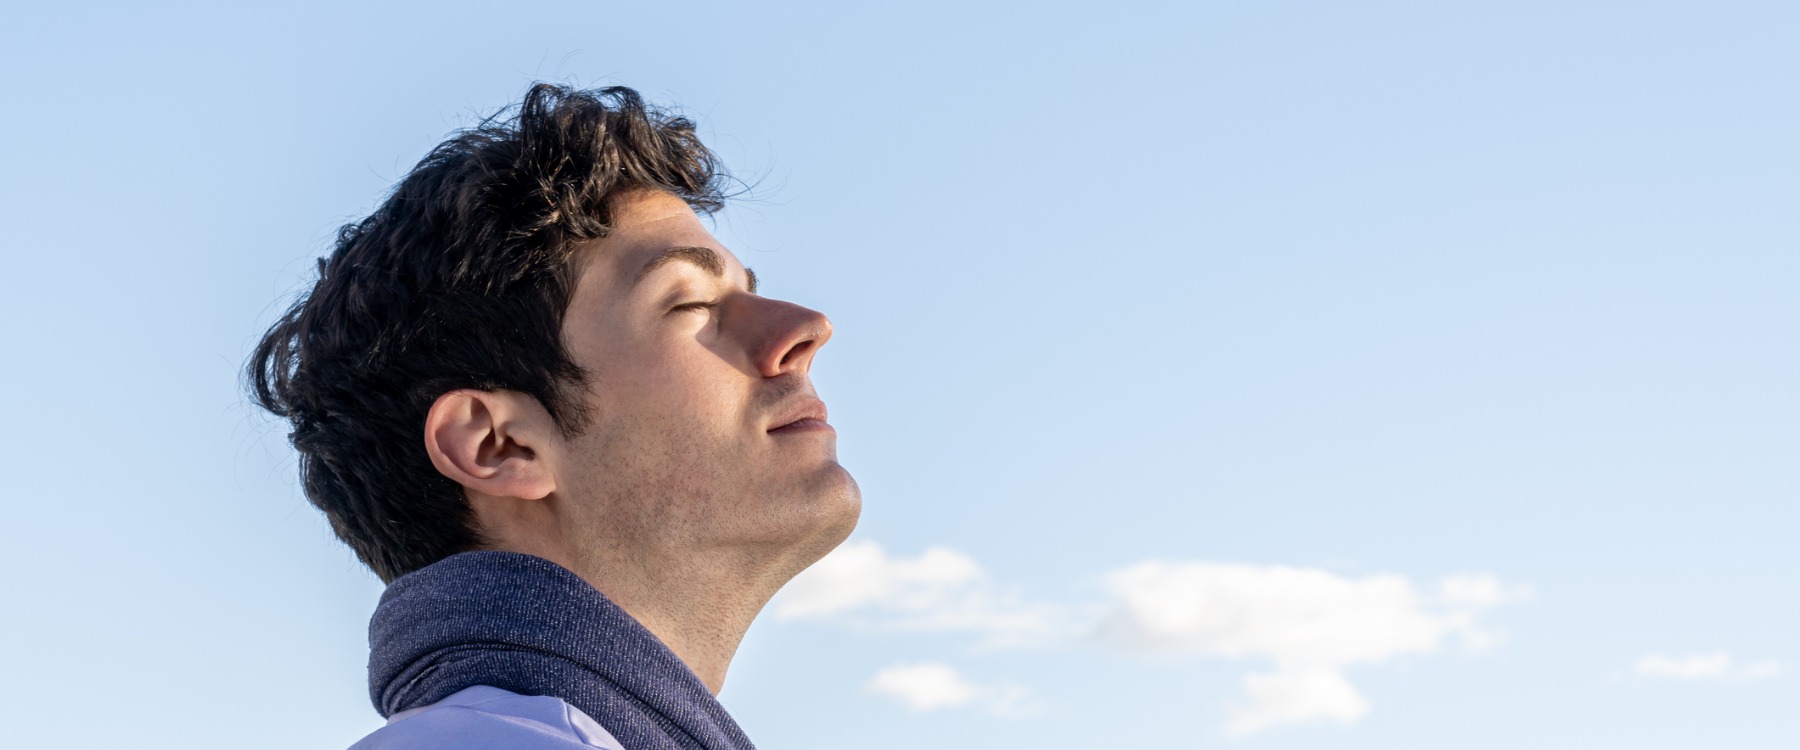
x=797, y=350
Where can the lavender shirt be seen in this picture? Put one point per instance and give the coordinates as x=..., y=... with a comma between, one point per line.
x=488, y=717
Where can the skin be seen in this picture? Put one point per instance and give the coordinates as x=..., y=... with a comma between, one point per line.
x=677, y=500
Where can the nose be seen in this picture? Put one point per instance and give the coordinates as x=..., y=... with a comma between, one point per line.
x=788, y=338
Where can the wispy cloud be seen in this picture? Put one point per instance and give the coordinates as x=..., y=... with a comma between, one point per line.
x=934, y=686
x=1295, y=695
x=1717, y=665
x=940, y=590
x=1308, y=623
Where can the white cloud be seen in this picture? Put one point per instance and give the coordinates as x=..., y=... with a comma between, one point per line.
x=859, y=573
x=1295, y=695
x=934, y=686
x=940, y=590
x=1717, y=665
x=1481, y=591
x=1293, y=616
x=1310, y=623
x=924, y=687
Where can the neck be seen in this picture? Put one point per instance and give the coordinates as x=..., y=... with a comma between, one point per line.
x=697, y=603
x=702, y=618
x=699, y=611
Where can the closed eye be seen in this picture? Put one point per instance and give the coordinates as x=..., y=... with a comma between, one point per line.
x=695, y=306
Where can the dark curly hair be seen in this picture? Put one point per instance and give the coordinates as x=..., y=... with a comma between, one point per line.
x=460, y=279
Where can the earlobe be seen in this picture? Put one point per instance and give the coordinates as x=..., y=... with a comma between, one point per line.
x=492, y=442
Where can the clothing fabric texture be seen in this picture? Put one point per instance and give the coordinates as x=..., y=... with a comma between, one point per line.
x=488, y=717
x=528, y=626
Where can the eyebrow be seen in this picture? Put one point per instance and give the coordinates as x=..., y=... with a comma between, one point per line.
x=704, y=257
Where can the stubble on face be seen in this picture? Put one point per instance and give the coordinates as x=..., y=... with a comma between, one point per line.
x=676, y=470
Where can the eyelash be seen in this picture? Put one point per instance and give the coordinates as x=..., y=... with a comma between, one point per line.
x=695, y=305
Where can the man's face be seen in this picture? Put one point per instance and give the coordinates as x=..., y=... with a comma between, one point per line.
x=694, y=387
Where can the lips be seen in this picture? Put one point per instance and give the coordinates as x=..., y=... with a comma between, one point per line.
x=804, y=425
x=803, y=416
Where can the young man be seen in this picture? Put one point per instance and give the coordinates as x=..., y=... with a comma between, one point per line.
x=549, y=408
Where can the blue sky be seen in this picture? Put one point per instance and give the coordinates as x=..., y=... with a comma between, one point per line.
x=1262, y=375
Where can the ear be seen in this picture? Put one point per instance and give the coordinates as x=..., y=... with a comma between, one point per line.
x=495, y=443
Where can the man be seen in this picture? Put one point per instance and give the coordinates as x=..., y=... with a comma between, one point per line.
x=549, y=408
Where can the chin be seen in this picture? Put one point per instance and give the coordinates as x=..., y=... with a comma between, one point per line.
x=839, y=505
x=823, y=520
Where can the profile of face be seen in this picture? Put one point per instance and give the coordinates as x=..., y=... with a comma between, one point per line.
x=705, y=435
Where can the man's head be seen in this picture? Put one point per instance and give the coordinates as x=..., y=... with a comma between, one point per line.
x=535, y=344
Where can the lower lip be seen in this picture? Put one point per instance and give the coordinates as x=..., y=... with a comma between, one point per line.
x=804, y=425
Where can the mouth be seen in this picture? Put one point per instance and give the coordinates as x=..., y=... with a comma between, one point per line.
x=803, y=425
x=805, y=416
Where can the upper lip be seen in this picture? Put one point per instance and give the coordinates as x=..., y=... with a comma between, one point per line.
x=806, y=408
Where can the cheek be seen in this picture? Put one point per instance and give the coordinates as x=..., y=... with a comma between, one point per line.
x=685, y=389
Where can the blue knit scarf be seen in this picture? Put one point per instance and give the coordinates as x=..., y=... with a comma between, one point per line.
x=527, y=625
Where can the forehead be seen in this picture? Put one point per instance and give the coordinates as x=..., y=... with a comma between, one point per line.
x=644, y=224
x=648, y=210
